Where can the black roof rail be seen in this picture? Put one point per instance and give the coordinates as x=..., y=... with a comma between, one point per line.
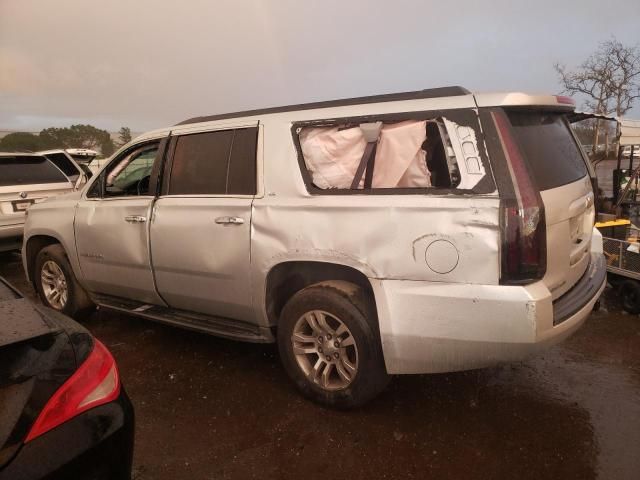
x=454, y=91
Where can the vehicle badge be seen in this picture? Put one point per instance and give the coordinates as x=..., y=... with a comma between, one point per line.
x=23, y=194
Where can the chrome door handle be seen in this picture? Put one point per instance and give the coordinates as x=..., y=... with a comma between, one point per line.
x=135, y=219
x=230, y=220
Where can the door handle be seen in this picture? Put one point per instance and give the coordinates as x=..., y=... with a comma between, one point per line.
x=230, y=220
x=135, y=219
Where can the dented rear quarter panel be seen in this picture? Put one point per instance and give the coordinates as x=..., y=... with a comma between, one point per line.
x=382, y=236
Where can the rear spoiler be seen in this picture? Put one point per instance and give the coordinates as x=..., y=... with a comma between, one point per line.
x=580, y=116
x=629, y=129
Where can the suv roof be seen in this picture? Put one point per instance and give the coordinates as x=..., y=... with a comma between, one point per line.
x=499, y=99
x=482, y=100
x=454, y=91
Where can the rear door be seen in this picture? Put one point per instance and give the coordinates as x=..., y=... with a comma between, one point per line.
x=24, y=180
x=112, y=225
x=560, y=172
x=201, y=227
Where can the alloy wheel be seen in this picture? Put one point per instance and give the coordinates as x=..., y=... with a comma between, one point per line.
x=54, y=285
x=325, y=350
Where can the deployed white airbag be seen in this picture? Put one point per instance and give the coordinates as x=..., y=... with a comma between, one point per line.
x=332, y=156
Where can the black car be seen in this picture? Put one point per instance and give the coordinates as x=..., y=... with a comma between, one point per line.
x=63, y=411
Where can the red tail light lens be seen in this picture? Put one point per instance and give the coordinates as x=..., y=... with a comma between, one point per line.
x=95, y=383
x=564, y=100
x=524, y=242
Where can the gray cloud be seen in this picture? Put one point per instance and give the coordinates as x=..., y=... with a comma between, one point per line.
x=147, y=63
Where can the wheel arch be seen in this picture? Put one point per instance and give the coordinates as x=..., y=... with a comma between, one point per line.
x=32, y=246
x=287, y=278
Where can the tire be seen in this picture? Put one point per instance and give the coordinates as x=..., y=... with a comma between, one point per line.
x=335, y=329
x=630, y=295
x=54, y=262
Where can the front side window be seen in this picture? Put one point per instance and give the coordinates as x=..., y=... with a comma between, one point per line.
x=404, y=155
x=215, y=163
x=128, y=175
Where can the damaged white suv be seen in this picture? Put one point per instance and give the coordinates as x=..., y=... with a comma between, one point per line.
x=421, y=232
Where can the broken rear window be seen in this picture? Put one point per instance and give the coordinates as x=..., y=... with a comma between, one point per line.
x=417, y=155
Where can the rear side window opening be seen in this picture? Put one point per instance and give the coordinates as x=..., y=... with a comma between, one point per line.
x=393, y=155
x=552, y=153
x=28, y=170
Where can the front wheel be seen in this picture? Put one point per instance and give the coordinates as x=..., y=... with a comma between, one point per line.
x=56, y=284
x=330, y=346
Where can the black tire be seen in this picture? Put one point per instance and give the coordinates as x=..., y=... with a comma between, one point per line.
x=78, y=300
x=630, y=295
x=349, y=304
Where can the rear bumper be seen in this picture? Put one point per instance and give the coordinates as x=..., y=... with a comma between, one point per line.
x=11, y=236
x=439, y=327
x=97, y=444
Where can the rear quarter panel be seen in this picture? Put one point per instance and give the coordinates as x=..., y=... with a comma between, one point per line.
x=382, y=236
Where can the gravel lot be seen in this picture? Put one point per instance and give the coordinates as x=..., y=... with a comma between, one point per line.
x=209, y=408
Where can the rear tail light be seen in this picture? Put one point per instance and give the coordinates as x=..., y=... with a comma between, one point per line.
x=524, y=242
x=564, y=100
x=95, y=383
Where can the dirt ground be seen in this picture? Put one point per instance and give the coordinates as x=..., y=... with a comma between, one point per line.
x=208, y=408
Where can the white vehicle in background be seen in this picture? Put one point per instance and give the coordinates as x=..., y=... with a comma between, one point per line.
x=82, y=155
x=77, y=173
x=25, y=179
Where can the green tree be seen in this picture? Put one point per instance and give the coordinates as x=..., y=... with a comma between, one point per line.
x=124, y=135
x=107, y=147
x=79, y=136
x=21, y=141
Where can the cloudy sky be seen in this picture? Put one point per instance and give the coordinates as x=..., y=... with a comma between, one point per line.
x=148, y=63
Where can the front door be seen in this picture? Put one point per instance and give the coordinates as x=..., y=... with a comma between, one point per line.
x=112, y=226
x=201, y=227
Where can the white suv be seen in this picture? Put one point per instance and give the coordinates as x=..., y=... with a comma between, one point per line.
x=421, y=232
x=25, y=179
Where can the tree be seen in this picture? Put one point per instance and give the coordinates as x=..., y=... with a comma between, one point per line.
x=623, y=84
x=20, y=142
x=107, y=147
x=78, y=136
x=608, y=80
x=124, y=135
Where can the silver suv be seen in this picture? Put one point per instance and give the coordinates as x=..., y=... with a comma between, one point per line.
x=421, y=232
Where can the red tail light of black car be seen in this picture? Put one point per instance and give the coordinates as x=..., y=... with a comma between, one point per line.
x=524, y=243
x=95, y=383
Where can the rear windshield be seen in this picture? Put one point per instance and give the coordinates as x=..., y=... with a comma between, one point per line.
x=551, y=150
x=63, y=163
x=27, y=170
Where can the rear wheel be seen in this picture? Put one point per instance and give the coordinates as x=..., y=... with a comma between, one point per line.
x=56, y=284
x=630, y=294
x=330, y=346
